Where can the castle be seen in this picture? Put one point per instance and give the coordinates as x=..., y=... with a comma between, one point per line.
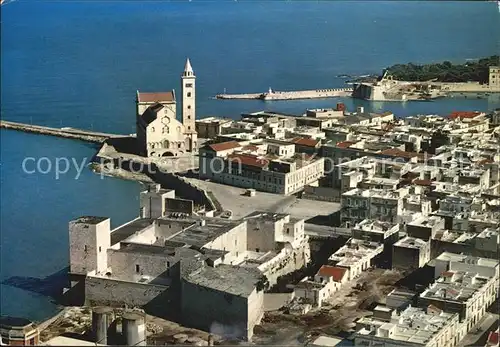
x=159, y=133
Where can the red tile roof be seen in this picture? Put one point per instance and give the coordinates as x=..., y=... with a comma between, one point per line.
x=303, y=141
x=463, y=114
x=247, y=159
x=447, y=274
x=156, y=97
x=345, y=144
x=485, y=161
x=223, y=146
x=337, y=273
x=251, y=147
x=493, y=338
x=433, y=308
x=420, y=182
x=394, y=152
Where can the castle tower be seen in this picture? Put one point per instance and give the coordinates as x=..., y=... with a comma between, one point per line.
x=89, y=240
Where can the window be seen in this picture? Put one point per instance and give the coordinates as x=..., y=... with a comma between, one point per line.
x=236, y=242
x=168, y=264
x=189, y=107
x=137, y=268
x=178, y=145
x=189, y=94
x=288, y=231
x=32, y=341
x=99, y=249
x=152, y=129
x=189, y=85
x=85, y=249
x=189, y=117
x=189, y=127
x=257, y=250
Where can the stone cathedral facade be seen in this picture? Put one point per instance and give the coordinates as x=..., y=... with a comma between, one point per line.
x=159, y=133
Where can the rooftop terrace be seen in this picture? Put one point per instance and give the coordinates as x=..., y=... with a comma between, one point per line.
x=412, y=325
x=355, y=250
x=411, y=242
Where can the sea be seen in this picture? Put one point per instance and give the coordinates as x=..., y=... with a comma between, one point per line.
x=79, y=63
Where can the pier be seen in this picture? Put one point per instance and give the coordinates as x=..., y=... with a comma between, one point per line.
x=69, y=133
x=273, y=95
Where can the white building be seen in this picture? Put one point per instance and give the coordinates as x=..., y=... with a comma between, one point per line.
x=270, y=165
x=383, y=205
x=356, y=256
x=465, y=285
x=376, y=231
x=410, y=253
x=323, y=286
x=412, y=327
x=159, y=133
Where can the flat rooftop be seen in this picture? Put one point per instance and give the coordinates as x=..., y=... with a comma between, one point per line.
x=89, y=220
x=411, y=242
x=255, y=259
x=126, y=230
x=240, y=281
x=326, y=341
x=412, y=325
x=375, y=193
x=488, y=233
x=426, y=221
x=140, y=248
x=374, y=226
x=266, y=216
x=467, y=259
x=355, y=250
x=199, y=235
x=68, y=341
x=14, y=322
x=458, y=286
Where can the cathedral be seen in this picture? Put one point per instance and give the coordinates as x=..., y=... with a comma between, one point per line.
x=159, y=133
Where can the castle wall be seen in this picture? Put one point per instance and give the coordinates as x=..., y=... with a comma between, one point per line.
x=113, y=292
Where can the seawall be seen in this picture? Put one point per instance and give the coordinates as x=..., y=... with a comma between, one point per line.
x=69, y=133
x=290, y=95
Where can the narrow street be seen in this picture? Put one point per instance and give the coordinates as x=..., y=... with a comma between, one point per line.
x=478, y=337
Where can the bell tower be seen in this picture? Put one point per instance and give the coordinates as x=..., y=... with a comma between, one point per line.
x=188, y=98
x=188, y=80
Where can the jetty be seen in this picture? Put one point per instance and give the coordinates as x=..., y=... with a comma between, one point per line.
x=69, y=133
x=273, y=95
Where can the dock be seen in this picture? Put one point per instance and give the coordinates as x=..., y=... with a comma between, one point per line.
x=69, y=133
x=273, y=95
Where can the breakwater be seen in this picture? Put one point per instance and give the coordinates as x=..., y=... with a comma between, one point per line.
x=273, y=95
x=69, y=133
